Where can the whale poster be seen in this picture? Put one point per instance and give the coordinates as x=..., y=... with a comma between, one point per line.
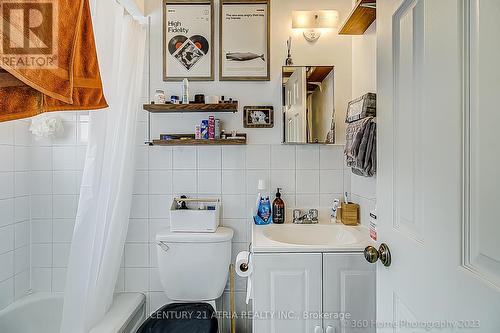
x=244, y=46
x=188, y=41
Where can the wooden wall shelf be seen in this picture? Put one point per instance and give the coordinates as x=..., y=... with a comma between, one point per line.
x=189, y=140
x=362, y=16
x=193, y=142
x=191, y=108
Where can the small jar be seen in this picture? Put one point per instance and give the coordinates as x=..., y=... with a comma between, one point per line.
x=159, y=97
x=175, y=99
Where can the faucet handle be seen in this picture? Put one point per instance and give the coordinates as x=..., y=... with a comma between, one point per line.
x=297, y=214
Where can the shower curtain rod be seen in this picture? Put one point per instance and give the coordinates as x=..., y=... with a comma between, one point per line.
x=132, y=8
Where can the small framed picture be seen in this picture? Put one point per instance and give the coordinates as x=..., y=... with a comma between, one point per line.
x=258, y=117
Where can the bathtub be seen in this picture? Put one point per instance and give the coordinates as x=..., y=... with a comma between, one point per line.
x=41, y=313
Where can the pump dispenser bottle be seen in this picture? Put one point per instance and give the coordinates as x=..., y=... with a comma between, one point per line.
x=278, y=209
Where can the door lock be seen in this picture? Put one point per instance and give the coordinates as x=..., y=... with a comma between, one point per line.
x=383, y=253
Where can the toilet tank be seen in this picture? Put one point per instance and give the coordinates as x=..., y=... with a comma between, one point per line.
x=194, y=267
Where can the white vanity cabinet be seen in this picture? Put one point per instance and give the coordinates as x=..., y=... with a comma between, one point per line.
x=349, y=288
x=285, y=286
x=293, y=290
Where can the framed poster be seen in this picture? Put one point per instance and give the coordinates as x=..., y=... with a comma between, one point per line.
x=188, y=40
x=244, y=47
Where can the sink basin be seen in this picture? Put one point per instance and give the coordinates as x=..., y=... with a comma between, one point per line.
x=312, y=235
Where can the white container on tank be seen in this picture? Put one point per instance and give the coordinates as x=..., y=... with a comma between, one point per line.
x=201, y=215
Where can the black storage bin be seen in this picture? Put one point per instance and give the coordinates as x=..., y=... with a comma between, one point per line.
x=182, y=318
x=365, y=106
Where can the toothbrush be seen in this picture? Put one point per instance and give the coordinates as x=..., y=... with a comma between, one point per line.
x=345, y=198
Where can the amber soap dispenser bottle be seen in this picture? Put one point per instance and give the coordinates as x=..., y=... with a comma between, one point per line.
x=278, y=209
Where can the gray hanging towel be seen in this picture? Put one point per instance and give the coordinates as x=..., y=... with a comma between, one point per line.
x=354, y=136
x=363, y=149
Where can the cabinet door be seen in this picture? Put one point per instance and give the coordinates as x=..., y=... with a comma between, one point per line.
x=349, y=288
x=287, y=286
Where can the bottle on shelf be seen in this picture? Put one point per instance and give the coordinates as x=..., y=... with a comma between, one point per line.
x=185, y=91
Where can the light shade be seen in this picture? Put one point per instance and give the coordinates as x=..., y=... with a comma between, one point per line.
x=319, y=19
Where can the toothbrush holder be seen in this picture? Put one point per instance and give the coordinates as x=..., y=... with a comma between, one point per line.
x=349, y=214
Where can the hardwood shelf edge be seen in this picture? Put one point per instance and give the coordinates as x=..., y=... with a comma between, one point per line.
x=366, y=16
x=193, y=142
x=191, y=108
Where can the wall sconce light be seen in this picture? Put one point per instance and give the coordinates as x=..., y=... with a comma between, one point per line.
x=313, y=22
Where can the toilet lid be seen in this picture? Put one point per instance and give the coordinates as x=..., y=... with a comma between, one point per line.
x=222, y=234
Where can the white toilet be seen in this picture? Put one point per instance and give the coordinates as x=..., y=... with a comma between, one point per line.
x=194, y=266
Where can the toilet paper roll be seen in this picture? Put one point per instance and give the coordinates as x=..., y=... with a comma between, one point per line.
x=244, y=258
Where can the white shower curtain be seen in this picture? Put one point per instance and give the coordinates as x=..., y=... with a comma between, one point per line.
x=106, y=191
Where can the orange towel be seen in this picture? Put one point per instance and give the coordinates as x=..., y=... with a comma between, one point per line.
x=73, y=82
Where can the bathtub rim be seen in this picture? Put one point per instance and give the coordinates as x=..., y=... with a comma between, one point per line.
x=137, y=303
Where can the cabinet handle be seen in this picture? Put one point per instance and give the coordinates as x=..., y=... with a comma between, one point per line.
x=330, y=329
x=318, y=329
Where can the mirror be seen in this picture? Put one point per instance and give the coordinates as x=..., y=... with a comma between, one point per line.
x=308, y=104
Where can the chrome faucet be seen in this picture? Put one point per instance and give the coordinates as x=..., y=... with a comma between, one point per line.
x=309, y=218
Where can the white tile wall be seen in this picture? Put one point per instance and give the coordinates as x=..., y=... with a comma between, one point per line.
x=310, y=176
x=230, y=173
x=56, y=167
x=40, y=182
x=364, y=192
x=14, y=210
x=364, y=79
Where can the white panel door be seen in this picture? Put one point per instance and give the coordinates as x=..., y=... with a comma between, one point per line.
x=482, y=250
x=438, y=88
x=296, y=104
x=287, y=286
x=348, y=289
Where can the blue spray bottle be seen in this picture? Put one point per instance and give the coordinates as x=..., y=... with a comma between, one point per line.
x=262, y=214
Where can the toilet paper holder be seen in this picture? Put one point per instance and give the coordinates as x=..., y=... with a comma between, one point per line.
x=244, y=266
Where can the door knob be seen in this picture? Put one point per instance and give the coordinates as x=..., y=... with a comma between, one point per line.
x=383, y=253
x=371, y=254
x=330, y=329
x=317, y=329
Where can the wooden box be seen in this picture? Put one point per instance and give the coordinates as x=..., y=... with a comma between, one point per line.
x=349, y=214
